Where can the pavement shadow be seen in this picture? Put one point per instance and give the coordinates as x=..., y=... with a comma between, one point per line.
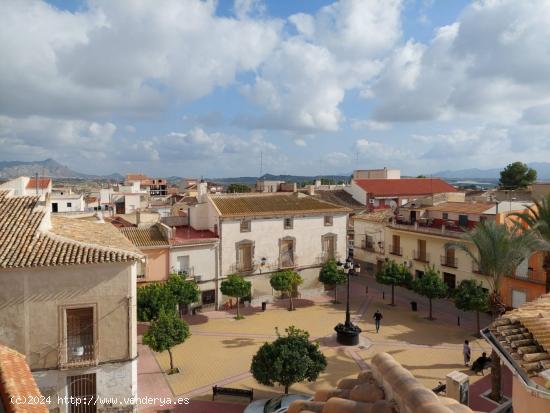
x=196, y=319
x=298, y=303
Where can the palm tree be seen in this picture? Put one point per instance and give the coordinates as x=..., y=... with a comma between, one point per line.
x=537, y=218
x=499, y=249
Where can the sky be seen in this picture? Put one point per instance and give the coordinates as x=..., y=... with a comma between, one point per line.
x=234, y=88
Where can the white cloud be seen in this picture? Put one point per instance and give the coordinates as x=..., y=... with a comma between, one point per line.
x=303, y=82
x=494, y=70
x=359, y=124
x=300, y=142
x=122, y=56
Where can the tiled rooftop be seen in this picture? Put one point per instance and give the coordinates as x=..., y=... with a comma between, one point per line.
x=16, y=380
x=381, y=215
x=463, y=207
x=339, y=197
x=405, y=186
x=144, y=237
x=524, y=334
x=273, y=204
x=70, y=241
x=43, y=183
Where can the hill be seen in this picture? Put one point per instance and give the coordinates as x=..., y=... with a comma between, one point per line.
x=542, y=168
x=47, y=167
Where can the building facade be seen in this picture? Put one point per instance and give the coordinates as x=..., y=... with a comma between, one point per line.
x=67, y=302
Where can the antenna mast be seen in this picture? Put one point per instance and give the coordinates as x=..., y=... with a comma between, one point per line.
x=261, y=163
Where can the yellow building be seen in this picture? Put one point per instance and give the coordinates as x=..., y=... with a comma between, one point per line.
x=416, y=234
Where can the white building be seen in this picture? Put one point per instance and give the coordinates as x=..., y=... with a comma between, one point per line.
x=263, y=233
x=25, y=186
x=67, y=301
x=67, y=202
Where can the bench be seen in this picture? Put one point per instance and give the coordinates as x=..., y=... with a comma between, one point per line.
x=228, y=391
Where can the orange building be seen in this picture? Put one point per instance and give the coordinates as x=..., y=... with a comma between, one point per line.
x=527, y=284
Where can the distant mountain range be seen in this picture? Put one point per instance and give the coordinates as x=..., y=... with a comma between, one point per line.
x=48, y=167
x=53, y=169
x=542, y=168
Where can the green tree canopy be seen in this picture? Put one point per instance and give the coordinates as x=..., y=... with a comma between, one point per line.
x=431, y=286
x=165, y=332
x=393, y=274
x=236, y=286
x=289, y=359
x=152, y=298
x=185, y=291
x=471, y=296
x=331, y=275
x=237, y=188
x=286, y=282
x=517, y=175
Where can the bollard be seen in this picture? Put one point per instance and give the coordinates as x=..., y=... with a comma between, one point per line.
x=383, y=295
x=458, y=320
x=367, y=289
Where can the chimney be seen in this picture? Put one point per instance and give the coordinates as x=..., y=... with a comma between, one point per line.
x=202, y=191
x=138, y=217
x=311, y=190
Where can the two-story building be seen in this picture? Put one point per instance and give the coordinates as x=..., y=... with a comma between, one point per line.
x=417, y=234
x=264, y=233
x=68, y=302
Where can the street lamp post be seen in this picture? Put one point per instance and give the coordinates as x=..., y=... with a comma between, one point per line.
x=347, y=334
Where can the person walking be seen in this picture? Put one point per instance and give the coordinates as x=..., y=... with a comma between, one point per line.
x=377, y=318
x=466, y=352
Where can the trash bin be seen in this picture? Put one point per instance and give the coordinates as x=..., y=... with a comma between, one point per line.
x=414, y=306
x=264, y=305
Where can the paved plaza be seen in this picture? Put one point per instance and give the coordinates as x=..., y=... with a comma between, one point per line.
x=221, y=348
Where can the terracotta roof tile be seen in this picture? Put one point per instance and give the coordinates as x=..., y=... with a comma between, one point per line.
x=70, y=241
x=16, y=380
x=144, y=237
x=339, y=197
x=381, y=215
x=524, y=334
x=43, y=183
x=272, y=204
x=404, y=186
x=462, y=207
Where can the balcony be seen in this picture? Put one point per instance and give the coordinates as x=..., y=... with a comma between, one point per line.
x=429, y=228
x=396, y=250
x=325, y=256
x=475, y=269
x=421, y=256
x=186, y=272
x=288, y=262
x=450, y=262
x=77, y=356
x=242, y=267
x=530, y=276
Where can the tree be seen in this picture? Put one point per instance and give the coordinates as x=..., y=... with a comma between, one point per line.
x=152, y=298
x=537, y=218
x=498, y=250
x=286, y=282
x=236, y=286
x=185, y=291
x=289, y=359
x=471, y=296
x=430, y=286
x=517, y=175
x=165, y=332
x=393, y=274
x=331, y=275
x=237, y=188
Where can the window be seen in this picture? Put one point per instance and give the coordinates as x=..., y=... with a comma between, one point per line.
x=79, y=334
x=286, y=253
x=245, y=225
x=244, y=256
x=288, y=222
x=329, y=246
x=328, y=221
x=445, y=215
x=450, y=280
x=69, y=204
x=463, y=220
x=83, y=389
x=208, y=297
x=183, y=265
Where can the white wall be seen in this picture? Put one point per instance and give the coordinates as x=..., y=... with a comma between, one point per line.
x=266, y=232
x=359, y=194
x=77, y=203
x=132, y=203
x=18, y=185
x=202, y=259
x=113, y=380
x=203, y=216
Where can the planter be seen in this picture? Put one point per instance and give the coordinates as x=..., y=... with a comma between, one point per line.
x=347, y=335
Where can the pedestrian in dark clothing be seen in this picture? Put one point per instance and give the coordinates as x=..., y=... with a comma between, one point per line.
x=377, y=318
x=481, y=363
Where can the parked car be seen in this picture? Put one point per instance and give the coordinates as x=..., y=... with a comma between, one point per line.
x=278, y=404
